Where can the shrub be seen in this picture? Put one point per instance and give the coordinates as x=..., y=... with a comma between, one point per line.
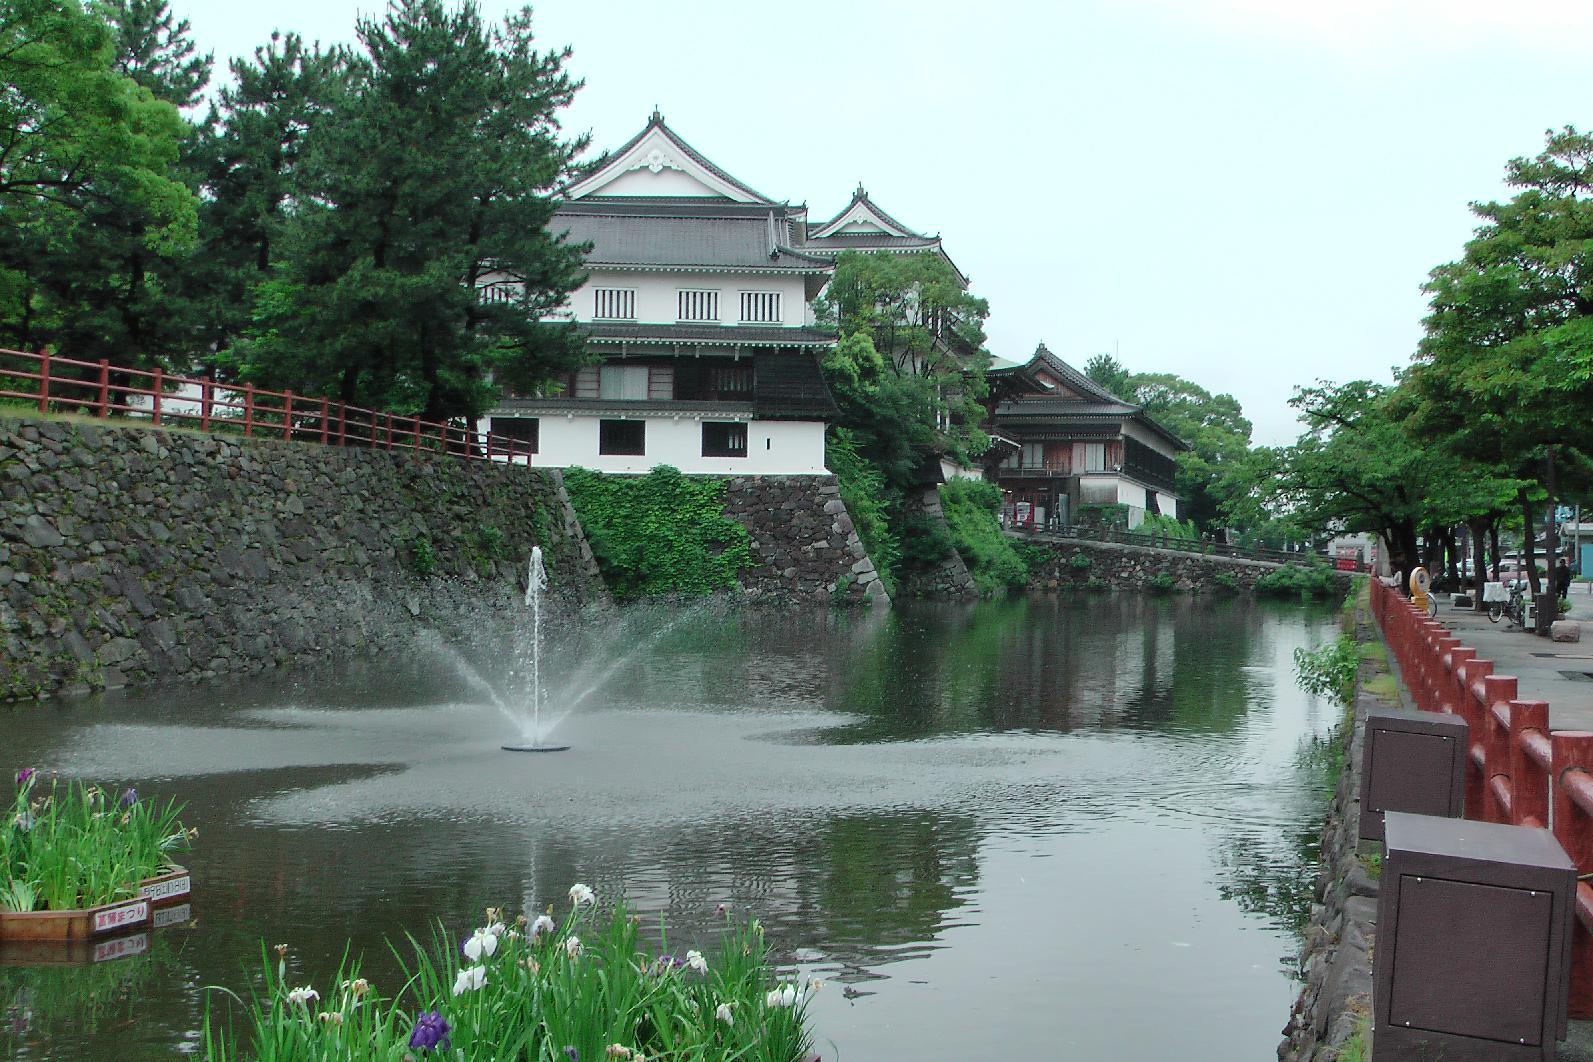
x=1329, y=670
x=1095, y=583
x=1115, y=515
x=1162, y=582
x=659, y=533
x=71, y=845
x=1167, y=526
x=926, y=543
x=586, y=989
x=971, y=507
x=868, y=500
x=1317, y=580
x=1079, y=562
x=422, y=554
x=1226, y=582
x=1034, y=556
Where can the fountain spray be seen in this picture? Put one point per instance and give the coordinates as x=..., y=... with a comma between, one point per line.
x=535, y=583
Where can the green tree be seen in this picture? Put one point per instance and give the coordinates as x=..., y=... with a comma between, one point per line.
x=1358, y=468
x=908, y=368
x=255, y=175
x=433, y=172
x=83, y=144
x=1216, y=470
x=1111, y=374
x=155, y=49
x=1505, y=370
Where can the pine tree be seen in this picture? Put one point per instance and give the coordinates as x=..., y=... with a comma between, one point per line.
x=433, y=172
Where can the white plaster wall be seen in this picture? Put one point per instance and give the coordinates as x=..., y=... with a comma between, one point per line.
x=950, y=470
x=657, y=302
x=665, y=182
x=1167, y=504
x=774, y=447
x=1131, y=494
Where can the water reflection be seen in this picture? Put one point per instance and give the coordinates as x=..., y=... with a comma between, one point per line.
x=1039, y=804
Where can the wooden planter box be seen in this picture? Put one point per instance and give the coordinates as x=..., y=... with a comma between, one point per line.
x=90, y=923
x=166, y=890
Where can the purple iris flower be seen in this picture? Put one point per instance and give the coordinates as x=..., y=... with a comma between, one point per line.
x=25, y=775
x=431, y=1032
x=572, y=1054
x=129, y=798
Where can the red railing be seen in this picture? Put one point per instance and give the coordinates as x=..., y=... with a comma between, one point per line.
x=100, y=389
x=1517, y=770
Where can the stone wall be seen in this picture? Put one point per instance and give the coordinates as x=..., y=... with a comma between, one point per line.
x=1123, y=567
x=949, y=580
x=803, y=538
x=1335, y=964
x=132, y=555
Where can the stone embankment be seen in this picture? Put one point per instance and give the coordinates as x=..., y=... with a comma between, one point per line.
x=132, y=555
x=1332, y=1015
x=1116, y=566
x=948, y=580
x=804, y=540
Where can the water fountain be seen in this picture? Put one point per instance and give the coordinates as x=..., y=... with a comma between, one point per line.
x=536, y=582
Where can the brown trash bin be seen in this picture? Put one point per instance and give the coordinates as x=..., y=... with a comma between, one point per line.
x=1411, y=761
x=1472, y=959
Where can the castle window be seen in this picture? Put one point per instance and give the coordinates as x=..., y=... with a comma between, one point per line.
x=626, y=437
x=760, y=307
x=614, y=304
x=724, y=440
x=698, y=304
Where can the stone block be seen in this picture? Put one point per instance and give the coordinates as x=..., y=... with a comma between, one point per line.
x=40, y=533
x=1565, y=631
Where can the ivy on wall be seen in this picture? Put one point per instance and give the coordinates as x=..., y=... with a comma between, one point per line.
x=661, y=533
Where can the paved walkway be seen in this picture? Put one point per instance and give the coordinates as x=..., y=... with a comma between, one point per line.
x=1558, y=672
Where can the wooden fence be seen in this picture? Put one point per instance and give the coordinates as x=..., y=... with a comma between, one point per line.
x=100, y=389
x=1517, y=770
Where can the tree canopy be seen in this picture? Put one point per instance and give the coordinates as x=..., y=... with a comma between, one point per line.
x=908, y=369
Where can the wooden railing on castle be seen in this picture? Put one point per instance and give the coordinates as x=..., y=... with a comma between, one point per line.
x=100, y=389
x=1517, y=770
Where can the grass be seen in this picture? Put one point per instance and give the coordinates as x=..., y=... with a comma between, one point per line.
x=583, y=990
x=1383, y=687
x=1373, y=862
x=67, y=846
x=1354, y=1049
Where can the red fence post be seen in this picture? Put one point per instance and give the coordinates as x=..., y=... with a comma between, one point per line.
x=389, y=431
x=1573, y=828
x=1531, y=759
x=105, y=388
x=287, y=415
x=326, y=411
x=248, y=410
x=415, y=442
x=44, y=381
x=205, y=388
x=1498, y=692
x=155, y=396
x=342, y=423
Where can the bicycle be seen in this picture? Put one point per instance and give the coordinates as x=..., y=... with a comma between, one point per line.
x=1515, y=608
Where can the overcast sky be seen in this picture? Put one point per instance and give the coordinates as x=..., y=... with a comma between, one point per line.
x=1245, y=192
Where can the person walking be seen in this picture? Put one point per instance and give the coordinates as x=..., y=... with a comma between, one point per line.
x=1562, y=579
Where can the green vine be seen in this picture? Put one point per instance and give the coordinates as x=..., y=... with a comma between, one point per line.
x=662, y=533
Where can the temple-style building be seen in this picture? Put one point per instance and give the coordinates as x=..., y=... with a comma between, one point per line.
x=700, y=302
x=863, y=226
x=1062, y=441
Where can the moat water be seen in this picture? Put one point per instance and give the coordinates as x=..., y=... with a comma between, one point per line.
x=1060, y=828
